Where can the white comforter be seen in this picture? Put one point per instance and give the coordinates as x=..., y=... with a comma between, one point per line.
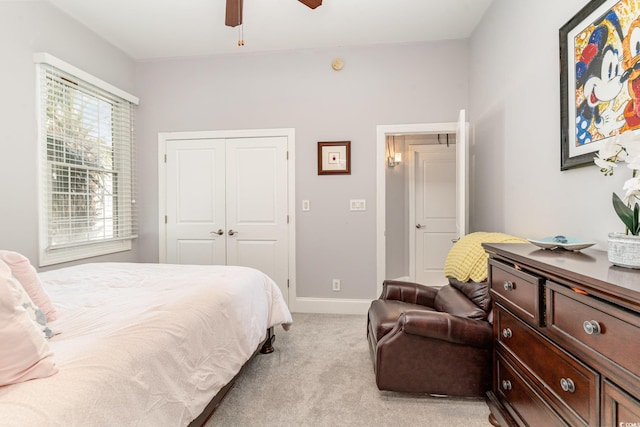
x=144, y=344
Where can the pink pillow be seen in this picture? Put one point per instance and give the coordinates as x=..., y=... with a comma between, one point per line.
x=28, y=277
x=24, y=353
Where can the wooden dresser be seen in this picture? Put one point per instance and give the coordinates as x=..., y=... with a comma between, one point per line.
x=566, y=338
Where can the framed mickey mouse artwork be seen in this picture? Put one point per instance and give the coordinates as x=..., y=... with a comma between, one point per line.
x=599, y=78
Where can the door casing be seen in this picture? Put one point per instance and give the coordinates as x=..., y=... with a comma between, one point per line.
x=382, y=131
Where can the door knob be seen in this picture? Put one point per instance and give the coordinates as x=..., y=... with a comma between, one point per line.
x=219, y=232
x=231, y=232
x=419, y=226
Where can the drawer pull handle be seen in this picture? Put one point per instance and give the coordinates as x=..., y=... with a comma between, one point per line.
x=508, y=285
x=591, y=327
x=506, y=385
x=567, y=385
x=506, y=332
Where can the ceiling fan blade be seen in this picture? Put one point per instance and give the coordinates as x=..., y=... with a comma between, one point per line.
x=311, y=3
x=233, y=16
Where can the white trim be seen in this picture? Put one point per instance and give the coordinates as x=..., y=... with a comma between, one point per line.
x=381, y=164
x=45, y=58
x=289, y=133
x=331, y=305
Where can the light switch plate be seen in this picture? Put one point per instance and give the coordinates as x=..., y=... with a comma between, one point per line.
x=358, y=205
x=305, y=205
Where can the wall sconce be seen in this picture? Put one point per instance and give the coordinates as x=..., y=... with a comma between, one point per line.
x=393, y=157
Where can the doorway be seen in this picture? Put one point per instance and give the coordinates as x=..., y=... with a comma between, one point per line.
x=390, y=203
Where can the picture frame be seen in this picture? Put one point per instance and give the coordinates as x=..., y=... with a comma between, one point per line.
x=334, y=158
x=597, y=70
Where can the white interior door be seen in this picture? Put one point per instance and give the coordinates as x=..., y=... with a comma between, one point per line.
x=462, y=176
x=195, y=185
x=435, y=210
x=257, y=205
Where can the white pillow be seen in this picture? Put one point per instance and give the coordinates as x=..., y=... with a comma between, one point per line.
x=28, y=277
x=35, y=314
x=25, y=352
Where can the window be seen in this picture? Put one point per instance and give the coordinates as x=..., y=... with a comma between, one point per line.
x=87, y=164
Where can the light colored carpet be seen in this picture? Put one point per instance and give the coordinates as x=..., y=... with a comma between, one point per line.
x=321, y=374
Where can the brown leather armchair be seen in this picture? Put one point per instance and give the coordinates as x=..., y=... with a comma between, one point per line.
x=432, y=340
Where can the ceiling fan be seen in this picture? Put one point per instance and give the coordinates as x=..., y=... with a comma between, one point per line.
x=233, y=15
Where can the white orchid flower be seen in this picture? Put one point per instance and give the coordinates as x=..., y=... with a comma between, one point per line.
x=632, y=188
x=605, y=165
x=627, y=138
x=623, y=147
x=633, y=162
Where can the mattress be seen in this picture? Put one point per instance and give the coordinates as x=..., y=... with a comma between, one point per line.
x=144, y=344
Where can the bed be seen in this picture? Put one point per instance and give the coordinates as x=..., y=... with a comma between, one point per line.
x=144, y=344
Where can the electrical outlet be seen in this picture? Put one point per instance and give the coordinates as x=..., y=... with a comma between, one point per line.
x=336, y=284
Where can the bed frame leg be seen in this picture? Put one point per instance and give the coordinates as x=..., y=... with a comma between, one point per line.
x=267, y=347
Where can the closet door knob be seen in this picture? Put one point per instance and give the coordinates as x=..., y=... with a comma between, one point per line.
x=419, y=226
x=219, y=232
x=231, y=232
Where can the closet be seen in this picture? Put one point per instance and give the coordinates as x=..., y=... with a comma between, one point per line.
x=225, y=202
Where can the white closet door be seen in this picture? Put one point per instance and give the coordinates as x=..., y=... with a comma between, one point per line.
x=257, y=233
x=195, y=225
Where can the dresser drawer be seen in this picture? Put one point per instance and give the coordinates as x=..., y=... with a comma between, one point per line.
x=619, y=408
x=522, y=402
x=520, y=291
x=602, y=327
x=571, y=385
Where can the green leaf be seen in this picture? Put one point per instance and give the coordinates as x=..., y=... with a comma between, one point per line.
x=636, y=220
x=625, y=213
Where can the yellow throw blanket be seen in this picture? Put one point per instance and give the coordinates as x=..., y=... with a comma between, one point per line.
x=467, y=260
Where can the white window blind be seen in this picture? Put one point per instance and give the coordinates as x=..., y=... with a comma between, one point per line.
x=87, y=204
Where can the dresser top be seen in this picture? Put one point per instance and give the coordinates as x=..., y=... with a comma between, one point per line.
x=590, y=269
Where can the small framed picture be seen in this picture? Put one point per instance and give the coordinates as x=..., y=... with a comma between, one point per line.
x=334, y=158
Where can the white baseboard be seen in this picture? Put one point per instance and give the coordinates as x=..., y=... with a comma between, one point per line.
x=331, y=305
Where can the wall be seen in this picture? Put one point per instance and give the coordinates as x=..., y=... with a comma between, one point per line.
x=25, y=28
x=300, y=90
x=514, y=92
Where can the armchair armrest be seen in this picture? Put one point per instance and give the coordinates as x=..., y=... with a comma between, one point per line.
x=446, y=327
x=410, y=292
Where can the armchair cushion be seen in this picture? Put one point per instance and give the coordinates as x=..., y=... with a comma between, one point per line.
x=478, y=292
x=451, y=300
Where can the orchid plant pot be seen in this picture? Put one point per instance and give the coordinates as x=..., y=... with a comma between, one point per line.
x=624, y=250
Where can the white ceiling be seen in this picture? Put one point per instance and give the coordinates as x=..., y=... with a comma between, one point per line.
x=153, y=29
